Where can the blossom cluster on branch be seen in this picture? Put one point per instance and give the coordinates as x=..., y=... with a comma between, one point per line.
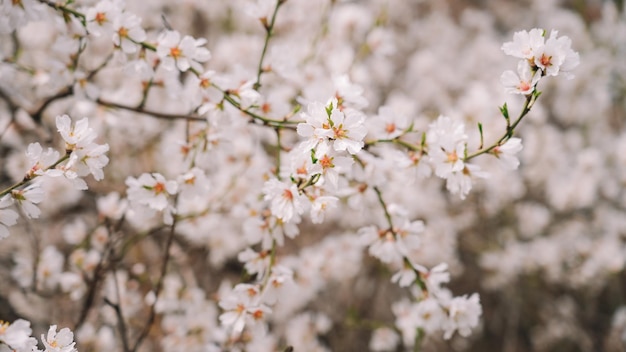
x=236, y=181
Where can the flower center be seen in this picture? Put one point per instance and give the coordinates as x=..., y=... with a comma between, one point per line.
x=159, y=188
x=18, y=195
x=258, y=314
x=240, y=308
x=205, y=83
x=523, y=86
x=326, y=162
x=340, y=132
x=452, y=157
x=100, y=18
x=122, y=32
x=546, y=60
x=175, y=52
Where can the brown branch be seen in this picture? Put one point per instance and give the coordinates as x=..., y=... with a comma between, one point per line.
x=94, y=285
x=62, y=94
x=99, y=273
x=158, y=288
x=156, y=114
x=67, y=91
x=12, y=109
x=120, y=320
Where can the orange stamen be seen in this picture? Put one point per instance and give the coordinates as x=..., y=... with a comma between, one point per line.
x=159, y=188
x=100, y=18
x=175, y=52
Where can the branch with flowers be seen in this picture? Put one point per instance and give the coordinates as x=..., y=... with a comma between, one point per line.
x=229, y=170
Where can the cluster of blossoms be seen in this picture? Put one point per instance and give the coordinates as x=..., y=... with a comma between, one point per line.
x=83, y=156
x=540, y=57
x=259, y=185
x=17, y=337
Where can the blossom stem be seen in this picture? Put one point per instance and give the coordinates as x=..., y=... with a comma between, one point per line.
x=313, y=180
x=147, y=45
x=82, y=17
x=397, y=141
x=271, y=265
x=530, y=101
x=146, y=89
x=418, y=278
x=417, y=347
x=407, y=261
x=384, y=206
x=269, y=30
x=279, y=148
x=144, y=94
x=82, y=45
x=66, y=10
x=29, y=178
x=266, y=121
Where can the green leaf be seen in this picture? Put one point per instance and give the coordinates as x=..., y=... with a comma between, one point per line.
x=329, y=109
x=504, y=110
x=410, y=128
x=313, y=158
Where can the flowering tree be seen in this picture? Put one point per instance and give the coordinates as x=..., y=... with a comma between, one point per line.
x=242, y=163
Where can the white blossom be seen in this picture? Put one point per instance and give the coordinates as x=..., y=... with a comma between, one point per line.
x=522, y=82
x=181, y=54
x=8, y=217
x=463, y=315
x=286, y=202
x=61, y=341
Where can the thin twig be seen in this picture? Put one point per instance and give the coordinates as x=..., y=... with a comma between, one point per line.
x=29, y=178
x=65, y=10
x=37, y=115
x=158, y=288
x=156, y=114
x=120, y=317
x=67, y=91
x=530, y=101
x=264, y=120
x=94, y=285
x=269, y=30
x=12, y=109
